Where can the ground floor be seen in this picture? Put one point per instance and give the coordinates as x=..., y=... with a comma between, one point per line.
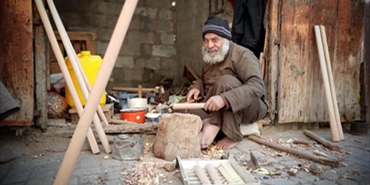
x=35, y=158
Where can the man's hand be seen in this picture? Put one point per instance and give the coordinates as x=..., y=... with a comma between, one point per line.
x=214, y=103
x=193, y=94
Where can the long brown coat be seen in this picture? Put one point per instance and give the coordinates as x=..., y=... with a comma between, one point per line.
x=238, y=80
x=242, y=64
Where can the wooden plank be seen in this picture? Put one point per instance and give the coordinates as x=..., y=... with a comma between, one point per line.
x=130, y=128
x=272, y=56
x=41, y=61
x=295, y=58
x=15, y=123
x=16, y=69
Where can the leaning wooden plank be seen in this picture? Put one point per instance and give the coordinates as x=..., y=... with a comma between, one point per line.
x=79, y=73
x=54, y=43
x=114, y=46
x=329, y=100
x=201, y=175
x=226, y=175
x=232, y=173
x=321, y=140
x=212, y=172
x=331, y=81
x=326, y=161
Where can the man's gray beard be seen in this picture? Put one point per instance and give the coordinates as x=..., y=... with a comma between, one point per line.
x=207, y=58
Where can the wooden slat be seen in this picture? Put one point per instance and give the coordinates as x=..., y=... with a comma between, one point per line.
x=16, y=62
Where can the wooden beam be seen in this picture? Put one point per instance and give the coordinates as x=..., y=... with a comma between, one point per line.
x=124, y=127
x=41, y=72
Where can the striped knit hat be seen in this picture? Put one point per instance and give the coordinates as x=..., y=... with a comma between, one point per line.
x=217, y=26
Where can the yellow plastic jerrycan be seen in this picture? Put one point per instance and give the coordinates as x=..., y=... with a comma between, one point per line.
x=91, y=65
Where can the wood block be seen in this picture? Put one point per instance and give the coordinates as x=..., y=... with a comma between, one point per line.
x=178, y=135
x=108, y=110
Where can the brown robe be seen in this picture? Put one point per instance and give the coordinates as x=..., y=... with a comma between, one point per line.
x=238, y=80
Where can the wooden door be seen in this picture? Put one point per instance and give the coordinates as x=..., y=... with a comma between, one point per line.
x=299, y=85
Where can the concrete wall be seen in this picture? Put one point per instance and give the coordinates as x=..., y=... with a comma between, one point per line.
x=191, y=15
x=148, y=51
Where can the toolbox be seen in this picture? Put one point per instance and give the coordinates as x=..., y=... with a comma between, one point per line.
x=189, y=176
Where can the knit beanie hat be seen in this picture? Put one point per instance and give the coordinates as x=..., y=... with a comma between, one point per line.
x=217, y=26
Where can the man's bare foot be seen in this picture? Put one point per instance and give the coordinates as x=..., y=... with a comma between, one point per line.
x=209, y=133
x=226, y=143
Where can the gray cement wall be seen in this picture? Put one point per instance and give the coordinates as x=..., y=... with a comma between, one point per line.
x=148, y=51
x=160, y=40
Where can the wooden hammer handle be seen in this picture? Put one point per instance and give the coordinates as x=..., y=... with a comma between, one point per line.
x=188, y=106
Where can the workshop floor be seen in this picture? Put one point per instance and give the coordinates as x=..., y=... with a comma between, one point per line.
x=35, y=157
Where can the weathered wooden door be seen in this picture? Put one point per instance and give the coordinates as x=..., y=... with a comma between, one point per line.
x=16, y=58
x=297, y=78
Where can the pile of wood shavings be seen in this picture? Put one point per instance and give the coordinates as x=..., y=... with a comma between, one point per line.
x=213, y=153
x=144, y=173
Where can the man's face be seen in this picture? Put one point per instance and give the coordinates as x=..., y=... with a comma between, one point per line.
x=212, y=43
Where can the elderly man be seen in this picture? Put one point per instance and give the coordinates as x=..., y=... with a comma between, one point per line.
x=232, y=85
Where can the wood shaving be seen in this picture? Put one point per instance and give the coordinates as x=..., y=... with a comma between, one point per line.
x=213, y=153
x=144, y=173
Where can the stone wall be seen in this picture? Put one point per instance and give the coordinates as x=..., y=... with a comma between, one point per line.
x=148, y=51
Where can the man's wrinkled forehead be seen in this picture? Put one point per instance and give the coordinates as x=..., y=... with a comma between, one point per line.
x=210, y=36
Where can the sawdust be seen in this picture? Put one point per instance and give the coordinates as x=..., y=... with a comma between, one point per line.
x=143, y=173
